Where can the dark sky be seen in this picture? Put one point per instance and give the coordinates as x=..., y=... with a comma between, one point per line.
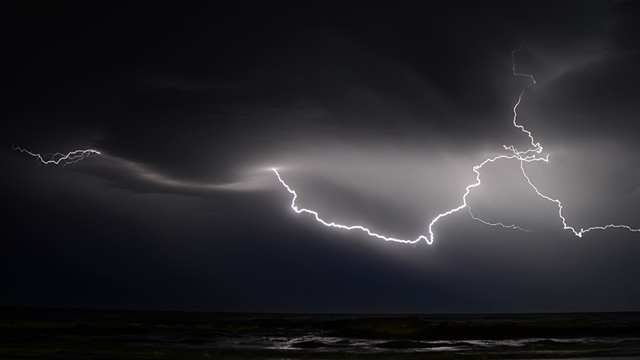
x=375, y=113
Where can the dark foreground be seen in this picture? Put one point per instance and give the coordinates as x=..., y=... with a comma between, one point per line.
x=70, y=334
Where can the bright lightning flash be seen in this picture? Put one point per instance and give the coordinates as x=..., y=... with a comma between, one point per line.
x=58, y=158
x=523, y=157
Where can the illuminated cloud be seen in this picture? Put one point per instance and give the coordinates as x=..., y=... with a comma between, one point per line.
x=374, y=117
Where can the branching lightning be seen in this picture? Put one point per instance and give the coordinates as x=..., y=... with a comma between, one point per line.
x=526, y=156
x=58, y=158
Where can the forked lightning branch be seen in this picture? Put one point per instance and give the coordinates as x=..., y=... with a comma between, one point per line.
x=59, y=158
x=530, y=155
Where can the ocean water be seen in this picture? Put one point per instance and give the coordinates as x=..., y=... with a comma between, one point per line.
x=107, y=334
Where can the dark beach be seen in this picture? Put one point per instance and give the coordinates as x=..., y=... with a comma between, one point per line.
x=63, y=334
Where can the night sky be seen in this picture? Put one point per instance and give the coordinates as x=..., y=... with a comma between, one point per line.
x=375, y=113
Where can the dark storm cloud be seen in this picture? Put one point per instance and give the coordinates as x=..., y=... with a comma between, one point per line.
x=409, y=73
x=374, y=113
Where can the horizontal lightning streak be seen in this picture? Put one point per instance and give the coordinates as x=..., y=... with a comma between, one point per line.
x=527, y=156
x=56, y=158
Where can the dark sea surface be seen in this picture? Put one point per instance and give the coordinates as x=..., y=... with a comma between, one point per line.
x=108, y=334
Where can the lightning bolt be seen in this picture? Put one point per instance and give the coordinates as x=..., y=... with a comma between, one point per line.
x=57, y=158
x=526, y=156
